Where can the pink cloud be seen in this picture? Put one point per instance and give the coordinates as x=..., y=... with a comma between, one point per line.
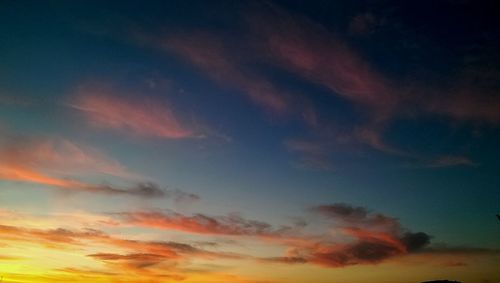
x=58, y=155
x=209, y=54
x=311, y=51
x=105, y=108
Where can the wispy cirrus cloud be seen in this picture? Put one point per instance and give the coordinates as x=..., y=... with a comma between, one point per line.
x=269, y=39
x=308, y=49
x=210, y=54
x=109, y=108
x=317, y=54
x=275, y=37
x=57, y=155
x=147, y=190
x=73, y=219
x=51, y=161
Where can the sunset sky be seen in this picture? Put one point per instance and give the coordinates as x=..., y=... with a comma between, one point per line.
x=249, y=141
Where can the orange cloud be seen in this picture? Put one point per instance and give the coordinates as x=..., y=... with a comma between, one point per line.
x=231, y=225
x=38, y=160
x=371, y=238
x=383, y=237
x=144, y=260
x=19, y=161
x=105, y=108
x=19, y=173
x=90, y=237
x=58, y=155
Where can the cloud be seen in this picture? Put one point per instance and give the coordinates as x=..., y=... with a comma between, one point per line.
x=181, y=197
x=148, y=190
x=269, y=39
x=370, y=247
x=349, y=215
x=108, y=108
x=59, y=235
x=19, y=173
x=91, y=237
x=368, y=238
x=451, y=160
x=285, y=260
x=231, y=225
x=371, y=134
x=317, y=54
x=374, y=237
x=473, y=95
x=58, y=155
x=136, y=260
x=71, y=220
x=210, y=54
x=415, y=241
x=310, y=50
x=274, y=38
x=342, y=211
x=356, y=236
x=306, y=48
x=359, y=253
x=298, y=45
x=41, y=161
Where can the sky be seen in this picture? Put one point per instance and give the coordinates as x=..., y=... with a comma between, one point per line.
x=249, y=141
